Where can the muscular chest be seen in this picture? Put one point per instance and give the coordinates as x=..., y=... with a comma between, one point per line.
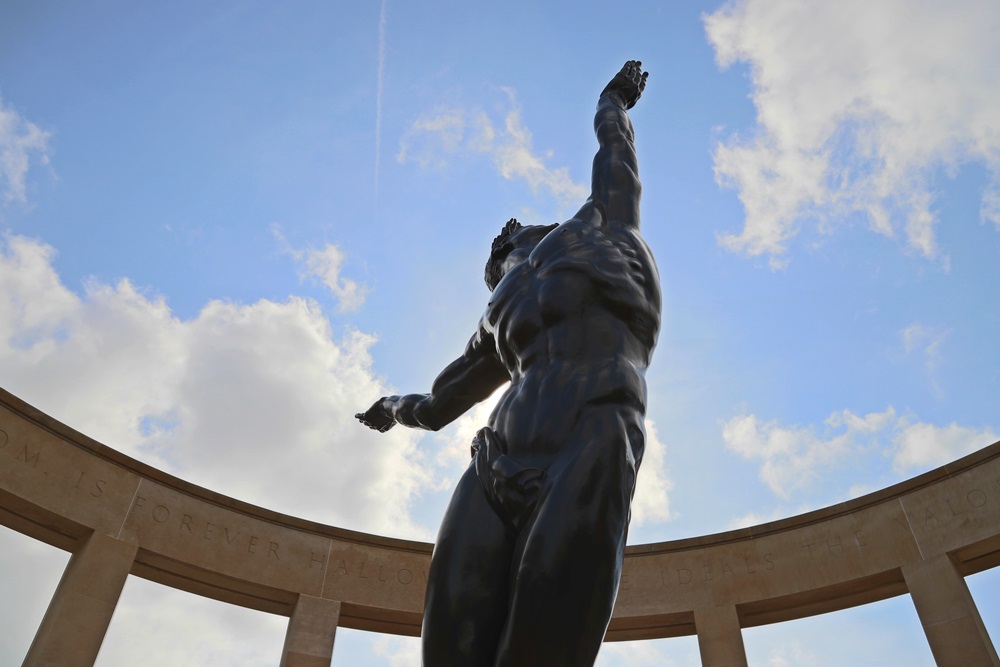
x=529, y=301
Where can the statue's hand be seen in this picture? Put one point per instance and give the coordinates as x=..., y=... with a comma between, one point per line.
x=628, y=84
x=378, y=417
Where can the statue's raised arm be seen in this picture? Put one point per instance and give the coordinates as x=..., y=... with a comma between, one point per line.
x=615, y=187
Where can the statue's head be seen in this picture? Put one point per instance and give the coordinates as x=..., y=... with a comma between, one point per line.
x=512, y=246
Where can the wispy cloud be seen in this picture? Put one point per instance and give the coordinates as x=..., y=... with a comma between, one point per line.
x=796, y=460
x=859, y=105
x=926, y=342
x=21, y=143
x=325, y=265
x=436, y=138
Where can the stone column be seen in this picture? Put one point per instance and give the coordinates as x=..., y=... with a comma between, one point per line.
x=77, y=618
x=720, y=640
x=311, y=631
x=948, y=613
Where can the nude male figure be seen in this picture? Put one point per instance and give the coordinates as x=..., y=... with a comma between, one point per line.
x=526, y=567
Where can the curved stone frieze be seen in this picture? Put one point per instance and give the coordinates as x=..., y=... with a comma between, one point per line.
x=62, y=487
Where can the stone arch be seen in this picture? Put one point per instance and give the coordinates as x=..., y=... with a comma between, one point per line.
x=119, y=516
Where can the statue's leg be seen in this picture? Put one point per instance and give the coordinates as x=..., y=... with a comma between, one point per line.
x=468, y=582
x=568, y=559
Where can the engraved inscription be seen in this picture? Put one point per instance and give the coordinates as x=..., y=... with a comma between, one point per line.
x=96, y=486
x=835, y=545
x=972, y=500
x=376, y=571
x=31, y=457
x=27, y=457
x=715, y=571
x=961, y=506
x=203, y=530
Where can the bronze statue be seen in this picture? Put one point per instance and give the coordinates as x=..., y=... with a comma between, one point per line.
x=526, y=566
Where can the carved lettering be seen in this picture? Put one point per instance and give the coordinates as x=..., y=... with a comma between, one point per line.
x=684, y=576
x=406, y=578
x=624, y=584
x=830, y=546
x=31, y=459
x=380, y=577
x=809, y=547
x=98, y=488
x=3, y=438
x=316, y=558
x=342, y=567
x=79, y=479
x=361, y=572
x=976, y=498
x=858, y=540
x=947, y=502
x=208, y=531
x=928, y=517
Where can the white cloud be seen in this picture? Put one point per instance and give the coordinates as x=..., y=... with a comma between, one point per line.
x=650, y=652
x=254, y=401
x=926, y=342
x=324, y=265
x=801, y=460
x=397, y=651
x=155, y=626
x=922, y=446
x=757, y=518
x=651, y=503
x=432, y=140
x=792, y=654
x=21, y=143
x=858, y=105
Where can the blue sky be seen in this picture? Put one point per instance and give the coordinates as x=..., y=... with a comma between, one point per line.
x=226, y=227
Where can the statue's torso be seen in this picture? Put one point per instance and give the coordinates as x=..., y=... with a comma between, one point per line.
x=574, y=324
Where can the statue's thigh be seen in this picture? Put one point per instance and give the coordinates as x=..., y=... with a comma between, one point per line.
x=569, y=557
x=468, y=583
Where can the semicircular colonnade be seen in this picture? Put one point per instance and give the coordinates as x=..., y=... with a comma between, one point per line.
x=118, y=516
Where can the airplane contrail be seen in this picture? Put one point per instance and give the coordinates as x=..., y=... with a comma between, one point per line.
x=378, y=94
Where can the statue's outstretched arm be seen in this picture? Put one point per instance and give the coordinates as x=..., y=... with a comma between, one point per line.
x=464, y=382
x=615, y=183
